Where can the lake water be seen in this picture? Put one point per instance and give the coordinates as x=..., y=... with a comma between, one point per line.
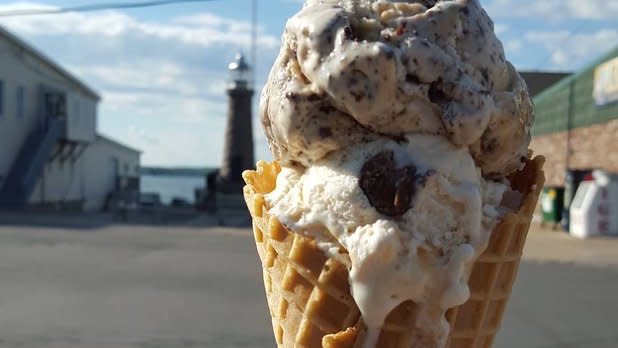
x=172, y=186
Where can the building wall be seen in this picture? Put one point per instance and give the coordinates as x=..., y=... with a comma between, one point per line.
x=81, y=117
x=89, y=180
x=21, y=70
x=593, y=147
x=62, y=182
x=568, y=110
x=84, y=181
x=105, y=161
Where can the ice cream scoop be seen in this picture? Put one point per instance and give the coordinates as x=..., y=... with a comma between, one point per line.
x=412, y=216
x=350, y=71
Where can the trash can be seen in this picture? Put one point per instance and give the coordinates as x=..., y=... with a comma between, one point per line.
x=552, y=200
x=573, y=178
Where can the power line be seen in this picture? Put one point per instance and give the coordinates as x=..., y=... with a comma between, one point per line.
x=94, y=7
x=254, y=19
x=547, y=57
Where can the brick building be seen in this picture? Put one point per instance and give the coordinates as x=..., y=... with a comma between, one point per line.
x=577, y=121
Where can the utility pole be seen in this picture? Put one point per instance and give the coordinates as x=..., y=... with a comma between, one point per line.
x=254, y=14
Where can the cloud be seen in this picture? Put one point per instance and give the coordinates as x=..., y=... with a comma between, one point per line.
x=569, y=50
x=201, y=29
x=164, y=79
x=554, y=9
x=170, y=77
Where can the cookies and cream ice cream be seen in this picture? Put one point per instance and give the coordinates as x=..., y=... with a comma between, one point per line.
x=397, y=124
x=352, y=70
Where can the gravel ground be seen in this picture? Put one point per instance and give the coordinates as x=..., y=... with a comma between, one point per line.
x=145, y=286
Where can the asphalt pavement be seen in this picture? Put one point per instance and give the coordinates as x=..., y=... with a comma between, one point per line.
x=121, y=286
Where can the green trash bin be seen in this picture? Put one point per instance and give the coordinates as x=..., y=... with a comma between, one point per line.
x=552, y=202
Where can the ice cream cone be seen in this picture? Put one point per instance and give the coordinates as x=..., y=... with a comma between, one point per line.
x=309, y=296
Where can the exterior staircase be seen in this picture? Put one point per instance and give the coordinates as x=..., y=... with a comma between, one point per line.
x=30, y=162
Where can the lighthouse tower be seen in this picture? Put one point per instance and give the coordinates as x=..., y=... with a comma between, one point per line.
x=238, y=149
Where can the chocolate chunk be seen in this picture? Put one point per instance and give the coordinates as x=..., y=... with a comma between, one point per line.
x=489, y=145
x=435, y=94
x=292, y=96
x=413, y=79
x=460, y=75
x=399, y=138
x=390, y=190
x=314, y=97
x=350, y=34
x=324, y=108
x=325, y=132
x=480, y=28
x=294, y=163
x=485, y=73
x=428, y=3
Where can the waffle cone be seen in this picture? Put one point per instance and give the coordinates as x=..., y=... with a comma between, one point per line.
x=309, y=294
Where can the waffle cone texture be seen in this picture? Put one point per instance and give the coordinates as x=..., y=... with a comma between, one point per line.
x=309, y=294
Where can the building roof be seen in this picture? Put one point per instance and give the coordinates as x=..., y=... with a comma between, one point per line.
x=48, y=61
x=572, y=96
x=239, y=63
x=538, y=81
x=101, y=137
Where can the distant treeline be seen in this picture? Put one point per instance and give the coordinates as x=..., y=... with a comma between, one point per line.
x=176, y=171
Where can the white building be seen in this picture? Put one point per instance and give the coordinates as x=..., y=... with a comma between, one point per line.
x=50, y=152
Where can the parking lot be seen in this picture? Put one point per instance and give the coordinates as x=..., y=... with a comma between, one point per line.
x=123, y=286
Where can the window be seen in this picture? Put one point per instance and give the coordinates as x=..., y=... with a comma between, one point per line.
x=20, y=102
x=55, y=104
x=1, y=98
x=76, y=115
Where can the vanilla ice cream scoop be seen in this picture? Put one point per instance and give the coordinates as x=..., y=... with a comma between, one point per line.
x=412, y=216
x=351, y=71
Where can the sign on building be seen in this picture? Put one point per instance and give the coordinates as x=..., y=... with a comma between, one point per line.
x=605, y=90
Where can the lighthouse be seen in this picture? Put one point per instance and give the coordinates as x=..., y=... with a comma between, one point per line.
x=238, y=148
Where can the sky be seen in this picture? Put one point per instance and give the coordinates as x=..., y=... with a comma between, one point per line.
x=162, y=71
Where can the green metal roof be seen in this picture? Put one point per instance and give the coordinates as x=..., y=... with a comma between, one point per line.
x=552, y=105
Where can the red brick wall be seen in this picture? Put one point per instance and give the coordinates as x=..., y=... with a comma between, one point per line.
x=591, y=147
